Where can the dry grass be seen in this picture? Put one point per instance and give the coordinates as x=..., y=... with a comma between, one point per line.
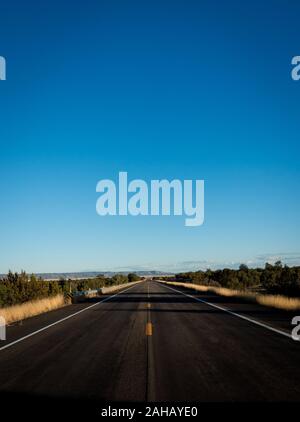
x=112, y=289
x=279, y=302
x=273, y=301
x=28, y=309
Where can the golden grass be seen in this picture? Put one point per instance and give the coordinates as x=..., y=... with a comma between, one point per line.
x=279, y=302
x=28, y=309
x=111, y=289
x=273, y=301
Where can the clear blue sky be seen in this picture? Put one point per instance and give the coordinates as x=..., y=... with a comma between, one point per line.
x=161, y=89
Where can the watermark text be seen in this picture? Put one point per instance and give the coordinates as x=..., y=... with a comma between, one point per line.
x=159, y=197
x=2, y=69
x=2, y=328
x=296, y=330
x=296, y=69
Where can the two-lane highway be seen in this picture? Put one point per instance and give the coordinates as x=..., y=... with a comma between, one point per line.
x=154, y=343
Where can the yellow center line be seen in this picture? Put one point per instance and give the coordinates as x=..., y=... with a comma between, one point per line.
x=148, y=329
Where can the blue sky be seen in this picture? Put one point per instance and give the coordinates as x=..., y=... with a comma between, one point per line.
x=160, y=89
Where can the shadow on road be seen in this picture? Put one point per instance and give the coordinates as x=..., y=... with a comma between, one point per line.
x=237, y=305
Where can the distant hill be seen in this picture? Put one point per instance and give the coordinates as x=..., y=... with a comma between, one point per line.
x=91, y=274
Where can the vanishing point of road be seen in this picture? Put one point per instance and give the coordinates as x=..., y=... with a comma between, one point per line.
x=154, y=342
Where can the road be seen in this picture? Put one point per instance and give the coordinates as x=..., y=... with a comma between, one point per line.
x=153, y=343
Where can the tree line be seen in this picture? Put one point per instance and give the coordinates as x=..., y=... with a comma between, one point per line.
x=273, y=279
x=16, y=288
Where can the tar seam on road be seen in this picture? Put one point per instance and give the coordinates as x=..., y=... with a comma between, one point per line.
x=62, y=320
x=268, y=327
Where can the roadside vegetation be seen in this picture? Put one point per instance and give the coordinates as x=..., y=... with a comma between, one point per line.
x=31, y=308
x=23, y=295
x=17, y=288
x=273, y=279
x=275, y=285
x=274, y=301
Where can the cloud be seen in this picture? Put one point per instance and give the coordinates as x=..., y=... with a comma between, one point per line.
x=288, y=258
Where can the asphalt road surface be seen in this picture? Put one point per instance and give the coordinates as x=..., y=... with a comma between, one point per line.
x=154, y=343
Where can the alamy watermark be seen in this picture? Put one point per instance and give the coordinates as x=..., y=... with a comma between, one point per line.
x=159, y=197
x=296, y=330
x=295, y=74
x=2, y=328
x=2, y=69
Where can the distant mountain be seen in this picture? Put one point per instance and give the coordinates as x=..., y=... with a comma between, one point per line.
x=91, y=274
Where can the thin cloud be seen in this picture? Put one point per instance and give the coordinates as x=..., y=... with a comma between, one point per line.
x=259, y=261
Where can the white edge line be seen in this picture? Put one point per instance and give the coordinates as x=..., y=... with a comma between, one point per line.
x=62, y=320
x=268, y=327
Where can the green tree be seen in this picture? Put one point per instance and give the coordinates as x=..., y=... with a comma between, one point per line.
x=132, y=277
